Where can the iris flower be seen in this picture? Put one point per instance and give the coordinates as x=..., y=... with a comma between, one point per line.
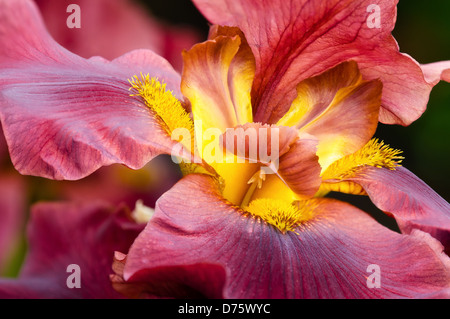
x=311, y=73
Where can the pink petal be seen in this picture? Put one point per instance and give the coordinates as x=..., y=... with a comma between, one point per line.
x=412, y=202
x=110, y=28
x=300, y=169
x=3, y=145
x=435, y=72
x=80, y=111
x=295, y=40
x=62, y=234
x=327, y=258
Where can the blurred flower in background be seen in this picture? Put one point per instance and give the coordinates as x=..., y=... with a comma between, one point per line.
x=111, y=28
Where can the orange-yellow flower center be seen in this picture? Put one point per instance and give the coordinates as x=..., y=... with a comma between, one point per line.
x=285, y=216
x=244, y=184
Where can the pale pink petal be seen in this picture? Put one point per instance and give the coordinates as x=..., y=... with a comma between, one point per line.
x=435, y=72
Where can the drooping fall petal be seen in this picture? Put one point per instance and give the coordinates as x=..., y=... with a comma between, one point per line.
x=64, y=116
x=295, y=40
x=327, y=257
x=63, y=234
x=412, y=202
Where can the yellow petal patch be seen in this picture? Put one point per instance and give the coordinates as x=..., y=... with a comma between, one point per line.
x=235, y=177
x=274, y=187
x=345, y=187
x=374, y=153
x=316, y=94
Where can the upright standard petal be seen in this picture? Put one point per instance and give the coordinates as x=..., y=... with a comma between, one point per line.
x=338, y=108
x=83, y=236
x=295, y=40
x=217, y=78
x=64, y=116
x=329, y=256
